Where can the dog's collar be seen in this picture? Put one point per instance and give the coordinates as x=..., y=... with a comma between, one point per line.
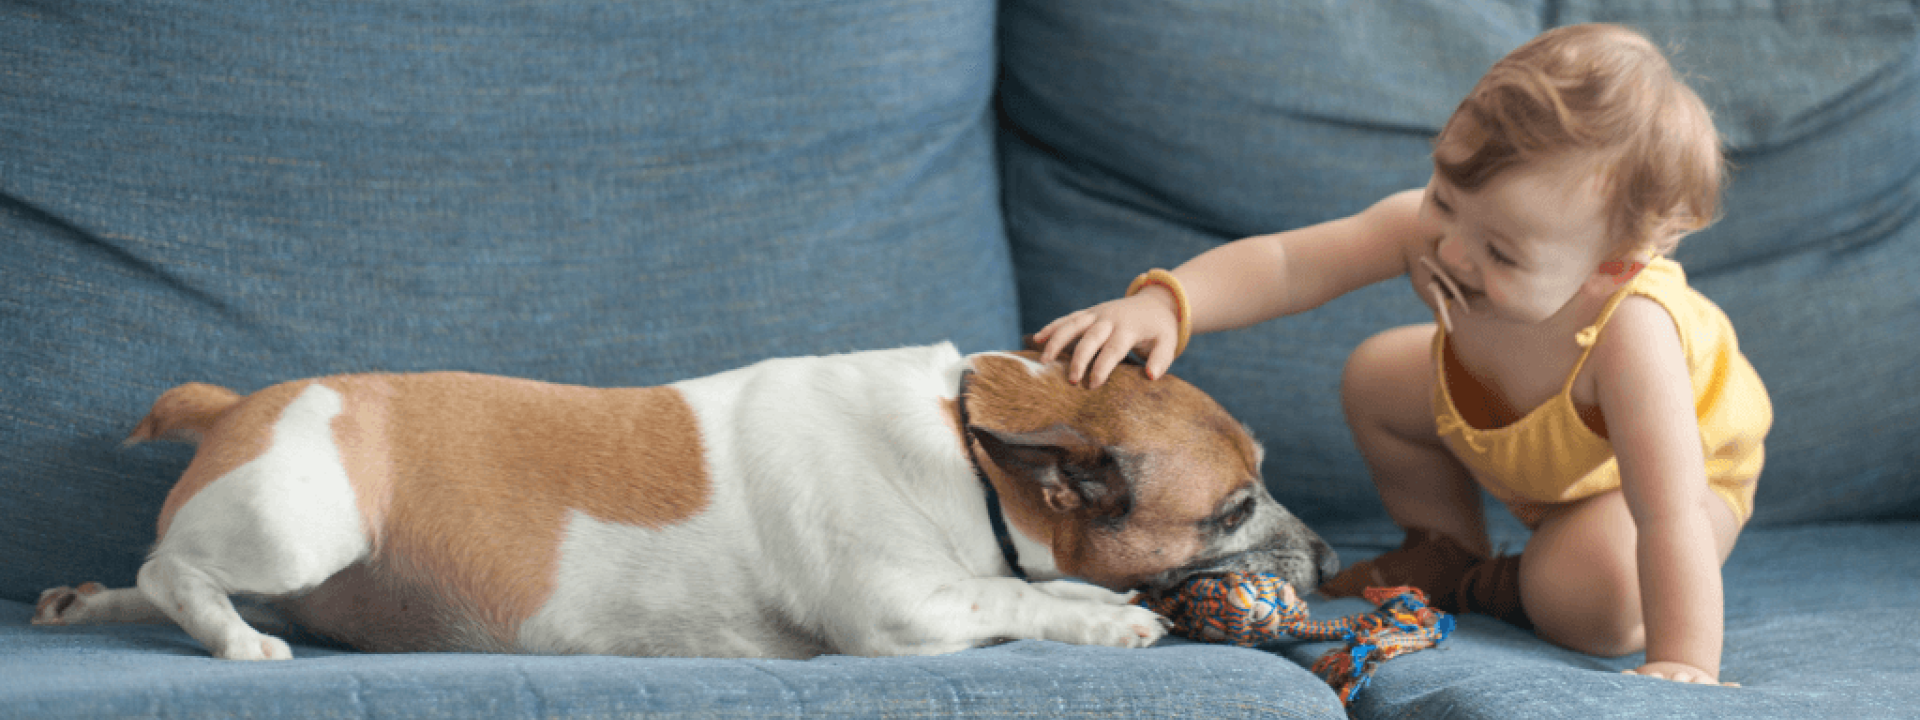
x=995, y=515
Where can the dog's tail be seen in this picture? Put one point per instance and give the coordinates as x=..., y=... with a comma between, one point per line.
x=184, y=414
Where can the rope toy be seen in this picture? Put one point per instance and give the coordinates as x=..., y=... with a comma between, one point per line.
x=1254, y=608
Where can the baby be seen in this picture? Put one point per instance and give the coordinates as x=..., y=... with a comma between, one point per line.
x=1571, y=372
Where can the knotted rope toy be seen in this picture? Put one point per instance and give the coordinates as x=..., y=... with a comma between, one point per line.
x=1253, y=608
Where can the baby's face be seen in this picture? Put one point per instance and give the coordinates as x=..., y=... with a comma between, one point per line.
x=1525, y=244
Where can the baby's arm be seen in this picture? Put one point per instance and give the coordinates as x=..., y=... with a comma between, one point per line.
x=1642, y=385
x=1242, y=283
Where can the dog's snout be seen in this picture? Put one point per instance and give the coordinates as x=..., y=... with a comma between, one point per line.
x=1304, y=562
x=1326, y=559
x=1295, y=552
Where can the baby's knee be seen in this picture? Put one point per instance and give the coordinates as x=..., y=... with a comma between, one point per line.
x=1387, y=372
x=1597, y=615
x=1391, y=352
x=1601, y=634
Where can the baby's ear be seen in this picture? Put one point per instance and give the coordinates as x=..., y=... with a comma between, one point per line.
x=1611, y=274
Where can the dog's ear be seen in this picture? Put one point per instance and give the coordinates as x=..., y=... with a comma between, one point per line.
x=1072, y=471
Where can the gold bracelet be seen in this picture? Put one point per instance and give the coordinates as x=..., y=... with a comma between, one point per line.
x=1181, y=308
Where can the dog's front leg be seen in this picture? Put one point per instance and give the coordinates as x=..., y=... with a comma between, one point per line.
x=976, y=611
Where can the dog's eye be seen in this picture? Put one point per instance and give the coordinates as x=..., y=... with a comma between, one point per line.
x=1233, y=520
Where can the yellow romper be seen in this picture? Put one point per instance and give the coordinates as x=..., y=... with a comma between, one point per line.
x=1552, y=457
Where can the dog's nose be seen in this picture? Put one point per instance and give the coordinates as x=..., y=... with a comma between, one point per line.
x=1326, y=559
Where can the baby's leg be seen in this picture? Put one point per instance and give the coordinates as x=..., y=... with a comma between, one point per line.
x=1579, y=576
x=1387, y=393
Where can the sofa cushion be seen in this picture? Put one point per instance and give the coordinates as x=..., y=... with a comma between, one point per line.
x=1139, y=133
x=575, y=191
x=1819, y=623
x=157, y=671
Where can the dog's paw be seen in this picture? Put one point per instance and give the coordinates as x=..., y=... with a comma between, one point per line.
x=254, y=645
x=65, y=605
x=1125, y=626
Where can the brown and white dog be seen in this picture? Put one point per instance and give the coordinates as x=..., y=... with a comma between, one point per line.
x=791, y=508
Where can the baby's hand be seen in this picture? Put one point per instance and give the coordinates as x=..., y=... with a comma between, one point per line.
x=1108, y=331
x=1678, y=672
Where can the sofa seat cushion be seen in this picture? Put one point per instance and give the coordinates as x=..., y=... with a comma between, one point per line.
x=153, y=670
x=1820, y=622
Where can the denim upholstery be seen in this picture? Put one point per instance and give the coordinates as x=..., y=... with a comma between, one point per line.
x=630, y=193
x=597, y=193
x=1050, y=680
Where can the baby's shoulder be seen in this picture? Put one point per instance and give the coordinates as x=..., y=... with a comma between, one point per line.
x=1640, y=334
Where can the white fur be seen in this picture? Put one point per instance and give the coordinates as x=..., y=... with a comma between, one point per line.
x=279, y=524
x=844, y=517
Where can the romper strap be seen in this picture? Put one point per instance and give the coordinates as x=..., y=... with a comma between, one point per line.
x=1590, y=336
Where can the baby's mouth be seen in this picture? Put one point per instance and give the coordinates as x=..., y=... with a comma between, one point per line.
x=1445, y=290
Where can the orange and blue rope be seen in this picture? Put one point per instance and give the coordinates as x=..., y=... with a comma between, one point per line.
x=1251, y=609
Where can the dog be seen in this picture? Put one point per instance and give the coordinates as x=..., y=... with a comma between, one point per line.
x=845, y=504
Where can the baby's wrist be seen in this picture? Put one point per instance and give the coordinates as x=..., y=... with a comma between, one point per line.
x=1167, y=289
x=1159, y=296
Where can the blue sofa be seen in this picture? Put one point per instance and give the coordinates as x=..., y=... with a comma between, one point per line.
x=631, y=193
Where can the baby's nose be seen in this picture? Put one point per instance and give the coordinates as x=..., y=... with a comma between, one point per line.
x=1454, y=259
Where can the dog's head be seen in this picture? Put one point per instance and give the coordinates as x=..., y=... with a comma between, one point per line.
x=1139, y=484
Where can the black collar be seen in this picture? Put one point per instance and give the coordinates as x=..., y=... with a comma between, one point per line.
x=994, y=514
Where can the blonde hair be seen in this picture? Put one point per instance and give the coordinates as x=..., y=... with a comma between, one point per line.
x=1606, y=91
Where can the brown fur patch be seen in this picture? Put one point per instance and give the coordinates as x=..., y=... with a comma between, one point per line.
x=184, y=414
x=467, y=480
x=363, y=433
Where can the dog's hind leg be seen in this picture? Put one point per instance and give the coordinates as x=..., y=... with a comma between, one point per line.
x=279, y=524
x=94, y=604
x=200, y=605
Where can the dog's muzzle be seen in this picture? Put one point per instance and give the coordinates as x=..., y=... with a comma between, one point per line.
x=1303, y=564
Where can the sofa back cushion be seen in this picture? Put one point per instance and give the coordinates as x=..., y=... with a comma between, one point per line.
x=606, y=193
x=1139, y=133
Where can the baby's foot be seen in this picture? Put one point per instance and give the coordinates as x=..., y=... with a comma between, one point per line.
x=1433, y=562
